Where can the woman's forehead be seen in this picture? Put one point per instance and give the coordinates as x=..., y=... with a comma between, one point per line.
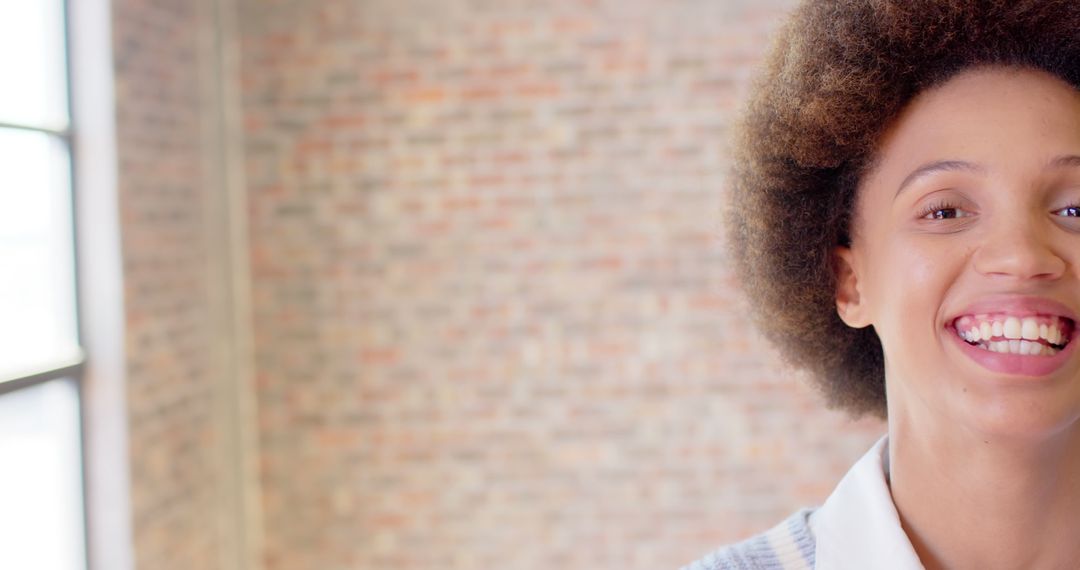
x=982, y=120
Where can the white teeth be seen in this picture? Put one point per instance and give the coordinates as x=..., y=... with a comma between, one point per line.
x=1013, y=334
x=1022, y=347
x=1029, y=329
x=1012, y=328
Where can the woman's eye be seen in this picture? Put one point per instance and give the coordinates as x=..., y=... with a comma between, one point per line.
x=1071, y=211
x=943, y=212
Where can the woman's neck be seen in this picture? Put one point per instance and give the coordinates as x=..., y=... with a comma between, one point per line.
x=972, y=501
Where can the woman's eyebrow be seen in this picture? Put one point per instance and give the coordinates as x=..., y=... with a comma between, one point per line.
x=1063, y=161
x=941, y=166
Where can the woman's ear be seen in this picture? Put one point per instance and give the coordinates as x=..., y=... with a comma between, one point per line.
x=850, y=303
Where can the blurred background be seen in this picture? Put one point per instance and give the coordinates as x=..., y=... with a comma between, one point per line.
x=373, y=284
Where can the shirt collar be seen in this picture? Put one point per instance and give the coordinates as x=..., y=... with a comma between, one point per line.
x=858, y=526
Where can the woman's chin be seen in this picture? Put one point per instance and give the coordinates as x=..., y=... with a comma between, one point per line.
x=1025, y=417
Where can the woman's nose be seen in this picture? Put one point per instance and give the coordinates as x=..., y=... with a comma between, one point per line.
x=1019, y=248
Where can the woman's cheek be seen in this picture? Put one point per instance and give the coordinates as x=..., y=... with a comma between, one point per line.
x=915, y=278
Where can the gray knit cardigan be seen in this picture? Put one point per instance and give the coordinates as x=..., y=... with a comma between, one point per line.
x=787, y=546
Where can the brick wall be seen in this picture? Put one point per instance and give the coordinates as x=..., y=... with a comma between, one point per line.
x=161, y=177
x=492, y=320
x=493, y=323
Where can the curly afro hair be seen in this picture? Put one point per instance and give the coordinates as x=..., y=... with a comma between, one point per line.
x=839, y=72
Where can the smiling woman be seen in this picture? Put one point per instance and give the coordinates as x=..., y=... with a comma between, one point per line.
x=905, y=218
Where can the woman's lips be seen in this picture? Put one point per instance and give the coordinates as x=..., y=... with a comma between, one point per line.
x=1015, y=364
x=1033, y=334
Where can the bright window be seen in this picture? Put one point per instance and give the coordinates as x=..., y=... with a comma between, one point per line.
x=41, y=363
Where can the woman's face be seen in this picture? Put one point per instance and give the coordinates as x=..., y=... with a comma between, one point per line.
x=971, y=216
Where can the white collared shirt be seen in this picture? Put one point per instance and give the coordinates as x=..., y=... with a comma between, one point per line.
x=858, y=527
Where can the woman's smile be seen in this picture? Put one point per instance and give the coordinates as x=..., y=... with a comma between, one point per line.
x=1014, y=327
x=1035, y=334
x=1029, y=344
